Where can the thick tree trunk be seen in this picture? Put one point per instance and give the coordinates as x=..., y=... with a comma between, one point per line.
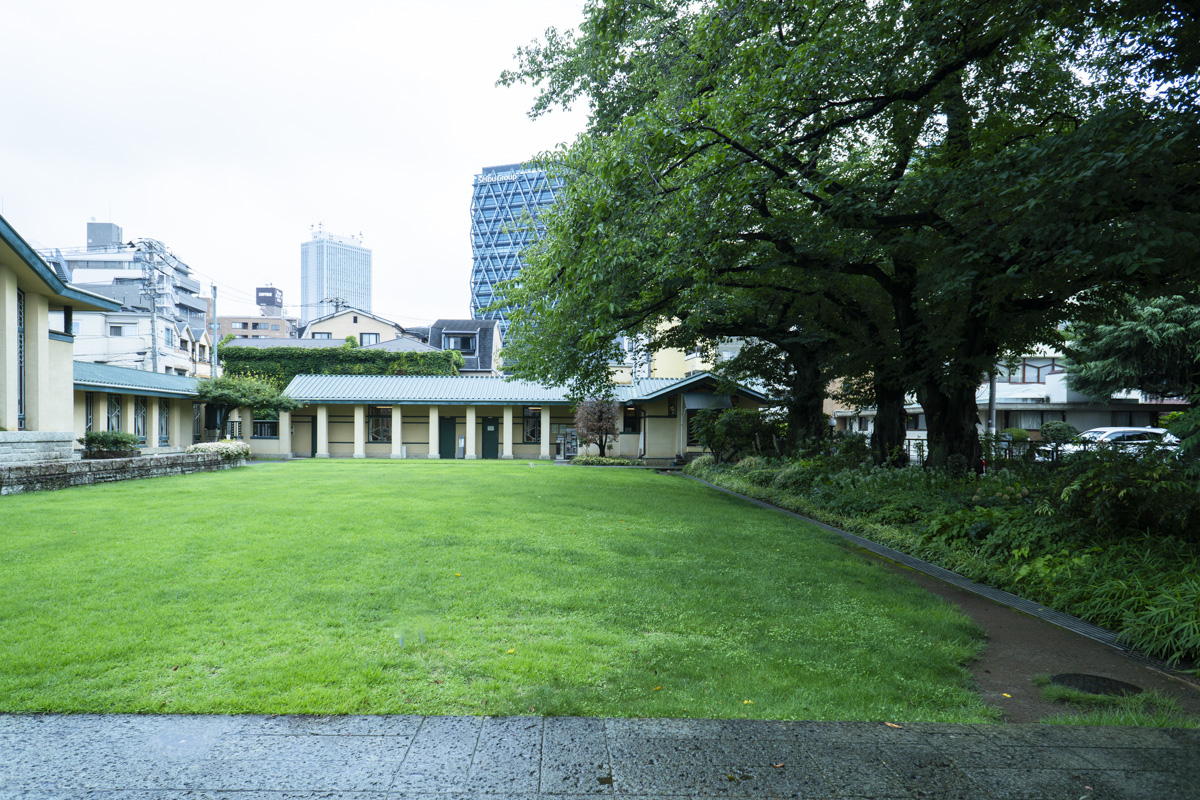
x=951, y=417
x=887, y=439
x=806, y=425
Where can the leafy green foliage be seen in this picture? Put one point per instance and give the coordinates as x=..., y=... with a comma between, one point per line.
x=604, y=461
x=279, y=365
x=1109, y=536
x=1153, y=346
x=351, y=341
x=895, y=193
x=735, y=433
x=93, y=441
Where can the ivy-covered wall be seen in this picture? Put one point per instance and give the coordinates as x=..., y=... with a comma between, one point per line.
x=280, y=364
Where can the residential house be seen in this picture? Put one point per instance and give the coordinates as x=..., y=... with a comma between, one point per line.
x=477, y=339
x=1032, y=391
x=366, y=327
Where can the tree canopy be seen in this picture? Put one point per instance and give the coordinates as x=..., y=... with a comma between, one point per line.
x=228, y=392
x=1153, y=347
x=898, y=191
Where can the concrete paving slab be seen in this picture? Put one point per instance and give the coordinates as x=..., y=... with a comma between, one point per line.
x=125, y=757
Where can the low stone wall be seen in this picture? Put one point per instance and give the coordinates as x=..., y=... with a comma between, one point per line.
x=27, y=447
x=49, y=475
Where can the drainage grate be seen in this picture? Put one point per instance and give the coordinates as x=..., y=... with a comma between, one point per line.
x=1095, y=684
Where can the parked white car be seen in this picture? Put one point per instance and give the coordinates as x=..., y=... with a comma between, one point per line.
x=1123, y=438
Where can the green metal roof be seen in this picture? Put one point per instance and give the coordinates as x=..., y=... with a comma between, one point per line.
x=107, y=378
x=464, y=390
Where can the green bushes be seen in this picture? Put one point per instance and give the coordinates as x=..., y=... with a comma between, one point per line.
x=734, y=433
x=96, y=441
x=280, y=364
x=1111, y=537
x=603, y=461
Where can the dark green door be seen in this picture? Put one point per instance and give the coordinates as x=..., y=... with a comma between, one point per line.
x=491, y=436
x=313, y=426
x=447, y=441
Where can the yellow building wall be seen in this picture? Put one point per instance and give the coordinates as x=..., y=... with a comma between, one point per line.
x=343, y=325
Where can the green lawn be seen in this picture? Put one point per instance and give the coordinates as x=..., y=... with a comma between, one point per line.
x=458, y=588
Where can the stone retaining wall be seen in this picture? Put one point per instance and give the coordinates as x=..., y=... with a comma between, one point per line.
x=27, y=447
x=61, y=474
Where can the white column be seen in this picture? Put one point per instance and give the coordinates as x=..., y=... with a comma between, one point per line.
x=360, y=431
x=152, y=423
x=545, y=433
x=507, y=442
x=397, y=432
x=471, y=433
x=433, y=433
x=285, y=434
x=37, y=364
x=322, y=424
x=247, y=415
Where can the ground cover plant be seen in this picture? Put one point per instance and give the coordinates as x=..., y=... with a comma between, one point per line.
x=458, y=588
x=1112, y=537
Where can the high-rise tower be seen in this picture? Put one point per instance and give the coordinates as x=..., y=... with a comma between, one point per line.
x=335, y=272
x=500, y=229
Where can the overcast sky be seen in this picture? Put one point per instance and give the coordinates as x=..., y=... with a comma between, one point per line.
x=226, y=130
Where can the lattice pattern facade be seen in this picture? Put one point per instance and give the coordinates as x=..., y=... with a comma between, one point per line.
x=505, y=199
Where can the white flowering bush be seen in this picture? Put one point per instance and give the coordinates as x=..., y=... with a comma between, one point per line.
x=228, y=449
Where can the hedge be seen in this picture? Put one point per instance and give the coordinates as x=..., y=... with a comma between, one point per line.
x=280, y=364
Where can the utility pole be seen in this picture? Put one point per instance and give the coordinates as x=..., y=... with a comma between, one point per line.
x=213, y=326
x=150, y=289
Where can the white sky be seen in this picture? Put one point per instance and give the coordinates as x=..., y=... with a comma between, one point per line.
x=226, y=129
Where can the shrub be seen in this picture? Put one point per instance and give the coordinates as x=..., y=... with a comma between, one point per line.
x=604, y=461
x=228, y=449
x=1056, y=432
x=1016, y=434
x=738, y=432
x=700, y=466
x=94, y=441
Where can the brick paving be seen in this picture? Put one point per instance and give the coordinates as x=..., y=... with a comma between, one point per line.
x=503, y=758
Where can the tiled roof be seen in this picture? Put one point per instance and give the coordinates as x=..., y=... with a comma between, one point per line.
x=458, y=389
x=124, y=379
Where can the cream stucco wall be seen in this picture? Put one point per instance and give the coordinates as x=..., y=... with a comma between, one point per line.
x=352, y=323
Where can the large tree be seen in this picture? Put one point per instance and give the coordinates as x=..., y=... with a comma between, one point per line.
x=931, y=183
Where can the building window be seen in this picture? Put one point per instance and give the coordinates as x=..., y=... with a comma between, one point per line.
x=379, y=424
x=463, y=344
x=633, y=421
x=266, y=429
x=916, y=422
x=197, y=423
x=369, y=338
x=1131, y=419
x=169, y=338
x=116, y=330
x=139, y=419
x=274, y=327
x=323, y=335
x=114, y=412
x=259, y=326
x=89, y=411
x=164, y=422
x=238, y=326
x=532, y=418
x=863, y=424
x=672, y=407
x=355, y=318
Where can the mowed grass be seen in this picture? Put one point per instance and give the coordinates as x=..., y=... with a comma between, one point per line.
x=458, y=588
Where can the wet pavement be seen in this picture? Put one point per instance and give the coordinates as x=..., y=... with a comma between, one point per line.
x=377, y=757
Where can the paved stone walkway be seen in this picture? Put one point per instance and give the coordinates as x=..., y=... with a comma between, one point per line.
x=447, y=758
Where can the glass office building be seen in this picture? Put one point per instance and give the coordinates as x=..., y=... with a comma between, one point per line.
x=503, y=197
x=333, y=268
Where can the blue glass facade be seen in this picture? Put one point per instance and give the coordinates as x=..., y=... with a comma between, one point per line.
x=501, y=199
